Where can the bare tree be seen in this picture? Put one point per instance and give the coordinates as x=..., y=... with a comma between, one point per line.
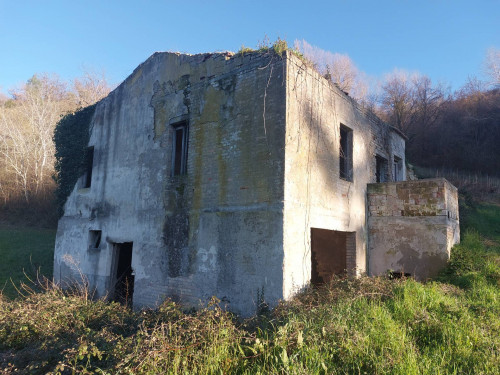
x=473, y=86
x=91, y=87
x=429, y=99
x=339, y=68
x=3, y=98
x=492, y=66
x=27, y=125
x=26, y=130
x=428, y=102
x=397, y=99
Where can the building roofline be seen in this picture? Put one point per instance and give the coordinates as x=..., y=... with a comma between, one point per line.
x=368, y=113
x=289, y=55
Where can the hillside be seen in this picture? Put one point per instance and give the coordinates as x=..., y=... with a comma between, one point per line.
x=370, y=325
x=26, y=252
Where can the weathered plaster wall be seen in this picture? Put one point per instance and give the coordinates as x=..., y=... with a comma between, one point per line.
x=262, y=170
x=412, y=226
x=315, y=196
x=216, y=230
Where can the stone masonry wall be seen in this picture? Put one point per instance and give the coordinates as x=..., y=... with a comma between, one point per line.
x=412, y=226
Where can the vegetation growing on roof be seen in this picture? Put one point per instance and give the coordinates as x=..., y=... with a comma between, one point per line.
x=244, y=50
x=279, y=46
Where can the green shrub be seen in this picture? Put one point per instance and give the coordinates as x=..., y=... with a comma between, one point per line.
x=280, y=46
x=350, y=326
x=243, y=50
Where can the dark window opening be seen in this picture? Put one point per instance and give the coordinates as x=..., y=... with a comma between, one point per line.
x=398, y=169
x=124, y=284
x=328, y=255
x=397, y=275
x=179, y=148
x=381, y=169
x=89, y=161
x=95, y=239
x=345, y=153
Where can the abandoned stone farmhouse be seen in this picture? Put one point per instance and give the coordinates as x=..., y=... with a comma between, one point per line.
x=247, y=177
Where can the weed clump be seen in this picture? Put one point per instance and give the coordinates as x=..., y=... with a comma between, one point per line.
x=278, y=47
x=366, y=325
x=244, y=50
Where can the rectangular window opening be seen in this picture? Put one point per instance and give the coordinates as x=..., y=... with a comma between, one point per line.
x=398, y=169
x=95, y=239
x=89, y=162
x=381, y=169
x=345, y=153
x=179, y=148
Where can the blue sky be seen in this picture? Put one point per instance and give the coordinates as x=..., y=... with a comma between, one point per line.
x=446, y=40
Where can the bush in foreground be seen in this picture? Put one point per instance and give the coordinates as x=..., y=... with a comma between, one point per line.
x=366, y=325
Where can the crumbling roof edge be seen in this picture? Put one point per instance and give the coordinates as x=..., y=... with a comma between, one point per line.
x=396, y=130
x=154, y=54
x=287, y=55
x=369, y=114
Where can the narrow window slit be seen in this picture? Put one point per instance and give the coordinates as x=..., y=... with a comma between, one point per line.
x=89, y=161
x=179, y=148
x=345, y=157
x=95, y=239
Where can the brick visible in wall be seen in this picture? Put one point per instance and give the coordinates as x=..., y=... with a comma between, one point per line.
x=351, y=253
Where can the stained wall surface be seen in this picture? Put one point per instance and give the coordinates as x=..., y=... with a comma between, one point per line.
x=217, y=230
x=315, y=196
x=412, y=226
x=263, y=169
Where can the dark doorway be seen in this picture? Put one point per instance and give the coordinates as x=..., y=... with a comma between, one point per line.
x=328, y=255
x=381, y=170
x=124, y=286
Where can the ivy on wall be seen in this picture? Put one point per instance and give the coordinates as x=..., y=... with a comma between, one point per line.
x=71, y=137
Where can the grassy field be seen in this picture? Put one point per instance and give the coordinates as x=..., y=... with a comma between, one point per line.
x=24, y=251
x=485, y=219
x=363, y=326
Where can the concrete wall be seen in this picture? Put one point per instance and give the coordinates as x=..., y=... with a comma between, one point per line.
x=412, y=226
x=315, y=196
x=262, y=170
x=217, y=230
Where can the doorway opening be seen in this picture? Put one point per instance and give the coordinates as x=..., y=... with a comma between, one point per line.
x=124, y=276
x=329, y=254
x=381, y=169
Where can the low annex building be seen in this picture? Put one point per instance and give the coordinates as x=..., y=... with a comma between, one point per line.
x=246, y=177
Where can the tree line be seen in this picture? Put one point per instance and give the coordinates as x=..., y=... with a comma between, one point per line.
x=459, y=130
x=27, y=121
